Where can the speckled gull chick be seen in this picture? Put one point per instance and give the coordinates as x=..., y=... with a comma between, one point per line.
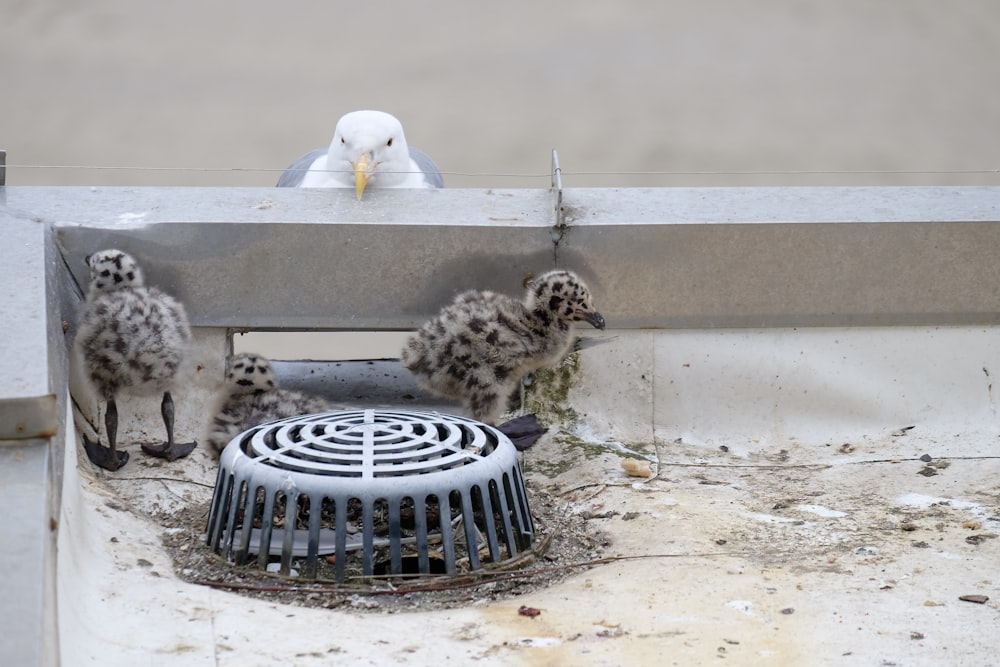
x=130, y=337
x=251, y=397
x=478, y=348
x=368, y=150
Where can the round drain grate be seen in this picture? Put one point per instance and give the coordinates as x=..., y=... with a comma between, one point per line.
x=378, y=490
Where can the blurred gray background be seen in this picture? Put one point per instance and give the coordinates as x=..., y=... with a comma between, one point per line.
x=222, y=93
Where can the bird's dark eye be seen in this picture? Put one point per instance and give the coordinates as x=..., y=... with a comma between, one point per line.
x=389, y=143
x=342, y=140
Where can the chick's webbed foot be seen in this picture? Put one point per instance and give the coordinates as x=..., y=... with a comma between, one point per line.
x=104, y=457
x=523, y=431
x=170, y=451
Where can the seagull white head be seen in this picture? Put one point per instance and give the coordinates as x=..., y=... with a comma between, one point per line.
x=369, y=147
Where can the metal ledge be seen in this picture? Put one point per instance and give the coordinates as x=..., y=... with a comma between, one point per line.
x=785, y=257
x=657, y=258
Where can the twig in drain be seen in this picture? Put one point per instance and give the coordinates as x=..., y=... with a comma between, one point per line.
x=470, y=580
x=154, y=478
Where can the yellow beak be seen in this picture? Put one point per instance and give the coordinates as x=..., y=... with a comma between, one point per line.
x=361, y=175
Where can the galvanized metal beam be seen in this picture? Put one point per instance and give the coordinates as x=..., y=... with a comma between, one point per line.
x=785, y=257
x=684, y=257
x=656, y=258
x=303, y=259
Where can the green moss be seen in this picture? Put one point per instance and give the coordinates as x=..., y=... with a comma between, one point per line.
x=547, y=395
x=568, y=450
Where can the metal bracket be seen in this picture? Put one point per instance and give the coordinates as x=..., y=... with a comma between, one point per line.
x=557, y=187
x=559, y=228
x=3, y=167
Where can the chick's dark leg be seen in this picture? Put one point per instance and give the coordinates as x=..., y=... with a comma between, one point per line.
x=171, y=450
x=108, y=457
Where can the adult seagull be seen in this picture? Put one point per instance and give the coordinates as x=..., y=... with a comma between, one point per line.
x=368, y=149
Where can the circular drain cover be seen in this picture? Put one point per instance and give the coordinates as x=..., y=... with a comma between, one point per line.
x=397, y=482
x=371, y=444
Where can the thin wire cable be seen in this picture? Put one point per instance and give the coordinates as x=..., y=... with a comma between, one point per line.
x=786, y=172
x=564, y=172
x=262, y=170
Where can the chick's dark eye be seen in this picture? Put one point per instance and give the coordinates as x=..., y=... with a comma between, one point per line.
x=389, y=143
x=342, y=140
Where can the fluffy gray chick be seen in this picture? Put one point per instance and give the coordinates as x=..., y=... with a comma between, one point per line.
x=130, y=337
x=251, y=397
x=478, y=348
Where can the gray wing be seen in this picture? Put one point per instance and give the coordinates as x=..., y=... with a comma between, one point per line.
x=296, y=171
x=427, y=166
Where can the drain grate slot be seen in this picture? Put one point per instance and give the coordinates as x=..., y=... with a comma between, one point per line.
x=406, y=489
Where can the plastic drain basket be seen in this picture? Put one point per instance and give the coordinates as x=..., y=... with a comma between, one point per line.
x=441, y=487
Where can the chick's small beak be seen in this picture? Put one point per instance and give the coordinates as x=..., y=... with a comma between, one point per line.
x=595, y=319
x=361, y=173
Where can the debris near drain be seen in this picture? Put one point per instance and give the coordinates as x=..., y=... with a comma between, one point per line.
x=933, y=467
x=530, y=612
x=979, y=538
x=610, y=630
x=978, y=599
x=916, y=635
x=972, y=524
x=637, y=468
x=902, y=431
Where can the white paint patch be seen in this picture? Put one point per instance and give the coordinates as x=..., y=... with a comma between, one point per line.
x=127, y=218
x=742, y=606
x=919, y=500
x=819, y=510
x=587, y=433
x=770, y=518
